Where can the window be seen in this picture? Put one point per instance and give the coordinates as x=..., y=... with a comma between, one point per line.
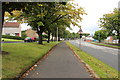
x=7, y=33
x=17, y=34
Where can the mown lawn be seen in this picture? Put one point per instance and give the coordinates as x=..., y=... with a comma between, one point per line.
x=112, y=46
x=22, y=56
x=5, y=39
x=100, y=68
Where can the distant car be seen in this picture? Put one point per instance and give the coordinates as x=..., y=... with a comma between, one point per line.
x=28, y=39
x=33, y=39
x=94, y=40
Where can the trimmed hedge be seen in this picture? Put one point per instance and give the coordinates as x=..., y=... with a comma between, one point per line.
x=13, y=37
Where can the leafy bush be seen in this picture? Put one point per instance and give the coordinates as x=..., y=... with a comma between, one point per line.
x=45, y=36
x=12, y=37
x=23, y=34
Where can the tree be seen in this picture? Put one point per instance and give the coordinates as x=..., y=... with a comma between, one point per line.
x=40, y=16
x=9, y=7
x=23, y=34
x=85, y=34
x=100, y=35
x=111, y=23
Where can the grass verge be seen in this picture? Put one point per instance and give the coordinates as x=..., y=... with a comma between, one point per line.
x=5, y=39
x=21, y=57
x=101, y=69
x=106, y=45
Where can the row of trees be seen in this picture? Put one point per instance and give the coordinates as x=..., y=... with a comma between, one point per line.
x=110, y=24
x=45, y=16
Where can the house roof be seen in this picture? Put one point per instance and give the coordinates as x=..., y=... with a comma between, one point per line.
x=11, y=24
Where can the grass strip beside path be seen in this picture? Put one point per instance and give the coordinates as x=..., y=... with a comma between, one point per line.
x=22, y=56
x=100, y=68
x=106, y=45
x=5, y=39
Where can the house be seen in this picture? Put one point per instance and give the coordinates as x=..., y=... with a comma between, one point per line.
x=31, y=33
x=110, y=39
x=12, y=29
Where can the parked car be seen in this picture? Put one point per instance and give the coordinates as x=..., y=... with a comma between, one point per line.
x=33, y=39
x=28, y=39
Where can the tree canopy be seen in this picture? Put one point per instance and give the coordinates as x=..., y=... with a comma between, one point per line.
x=100, y=35
x=111, y=23
x=43, y=16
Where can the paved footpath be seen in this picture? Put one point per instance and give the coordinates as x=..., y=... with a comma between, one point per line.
x=61, y=63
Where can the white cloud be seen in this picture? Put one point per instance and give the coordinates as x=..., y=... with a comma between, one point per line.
x=95, y=9
x=24, y=26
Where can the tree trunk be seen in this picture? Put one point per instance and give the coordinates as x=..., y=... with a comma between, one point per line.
x=48, y=37
x=3, y=12
x=99, y=41
x=52, y=38
x=119, y=41
x=58, y=38
x=118, y=35
x=1, y=28
x=40, y=37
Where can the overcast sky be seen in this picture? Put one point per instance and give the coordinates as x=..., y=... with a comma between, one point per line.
x=95, y=9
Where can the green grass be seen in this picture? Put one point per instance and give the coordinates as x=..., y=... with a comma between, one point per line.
x=22, y=56
x=101, y=69
x=5, y=39
x=106, y=45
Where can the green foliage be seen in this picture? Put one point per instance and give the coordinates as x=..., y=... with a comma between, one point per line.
x=74, y=35
x=111, y=22
x=100, y=35
x=45, y=36
x=12, y=37
x=23, y=34
x=68, y=35
x=40, y=24
x=85, y=34
x=44, y=16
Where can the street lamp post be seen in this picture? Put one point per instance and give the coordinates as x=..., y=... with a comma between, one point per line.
x=57, y=34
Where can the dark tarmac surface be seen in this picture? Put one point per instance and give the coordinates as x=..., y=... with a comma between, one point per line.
x=60, y=63
x=105, y=54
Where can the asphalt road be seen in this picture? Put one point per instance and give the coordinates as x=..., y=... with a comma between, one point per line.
x=61, y=63
x=105, y=54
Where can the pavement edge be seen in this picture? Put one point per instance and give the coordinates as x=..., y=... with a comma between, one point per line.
x=36, y=63
x=86, y=66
